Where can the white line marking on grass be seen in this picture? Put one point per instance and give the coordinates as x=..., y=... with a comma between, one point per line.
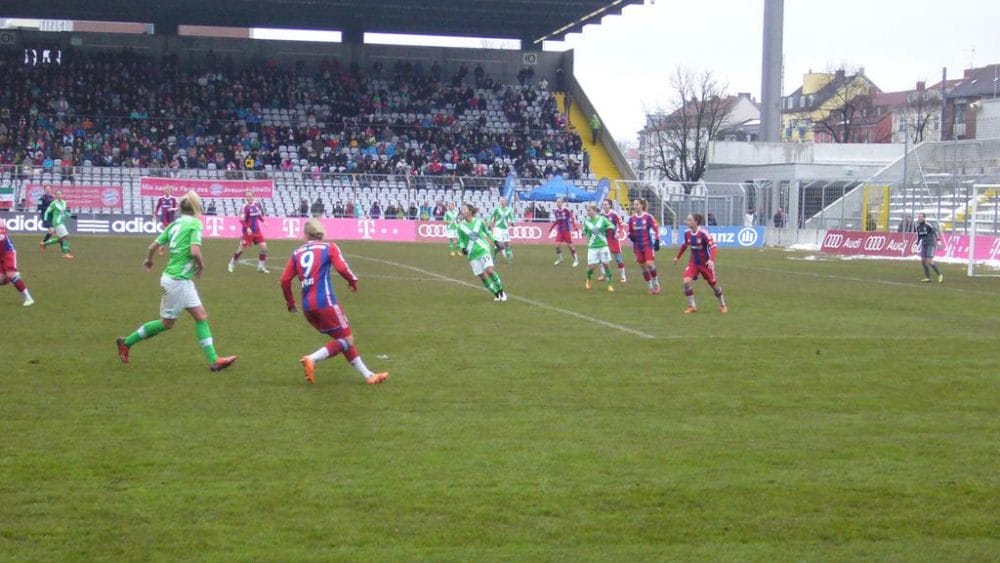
x=406, y=278
x=531, y=302
x=865, y=280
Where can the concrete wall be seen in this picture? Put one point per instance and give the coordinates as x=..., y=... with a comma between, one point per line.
x=988, y=120
x=757, y=154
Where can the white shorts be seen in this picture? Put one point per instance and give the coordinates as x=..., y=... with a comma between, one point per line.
x=479, y=265
x=598, y=256
x=178, y=295
x=61, y=231
x=501, y=235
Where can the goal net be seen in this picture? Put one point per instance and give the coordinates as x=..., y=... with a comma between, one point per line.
x=984, y=230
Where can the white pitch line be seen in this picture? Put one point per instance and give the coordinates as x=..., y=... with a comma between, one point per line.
x=864, y=280
x=531, y=302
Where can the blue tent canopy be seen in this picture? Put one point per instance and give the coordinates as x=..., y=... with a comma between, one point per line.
x=558, y=187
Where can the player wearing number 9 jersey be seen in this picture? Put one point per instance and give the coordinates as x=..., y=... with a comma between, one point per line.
x=311, y=264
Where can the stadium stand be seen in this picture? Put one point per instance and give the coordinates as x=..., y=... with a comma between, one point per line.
x=404, y=136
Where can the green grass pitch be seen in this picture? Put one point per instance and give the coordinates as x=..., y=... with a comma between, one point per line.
x=840, y=411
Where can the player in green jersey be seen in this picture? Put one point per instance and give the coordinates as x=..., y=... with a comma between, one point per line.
x=183, y=241
x=475, y=241
x=595, y=228
x=56, y=215
x=451, y=227
x=501, y=221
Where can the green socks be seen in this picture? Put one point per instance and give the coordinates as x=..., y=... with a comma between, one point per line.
x=204, y=334
x=148, y=330
x=152, y=328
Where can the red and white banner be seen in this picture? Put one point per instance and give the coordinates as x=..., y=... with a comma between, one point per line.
x=79, y=195
x=901, y=245
x=520, y=233
x=207, y=189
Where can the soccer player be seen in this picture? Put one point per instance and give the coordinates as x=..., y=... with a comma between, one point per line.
x=500, y=221
x=8, y=266
x=252, y=219
x=645, y=236
x=183, y=241
x=43, y=205
x=564, y=225
x=475, y=241
x=165, y=210
x=56, y=215
x=451, y=227
x=929, y=238
x=311, y=264
x=614, y=243
x=595, y=228
x=701, y=262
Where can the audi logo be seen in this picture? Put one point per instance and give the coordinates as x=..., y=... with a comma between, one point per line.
x=875, y=244
x=833, y=240
x=432, y=230
x=517, y=232
x=525, y=233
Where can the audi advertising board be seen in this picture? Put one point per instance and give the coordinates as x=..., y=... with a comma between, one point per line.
x=520, y=233
x=901, y=245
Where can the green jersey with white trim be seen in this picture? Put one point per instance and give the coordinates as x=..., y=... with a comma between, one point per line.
x=56, y=213
x=596, y=230
x=179, y=237
x=502, y=217
x=451, y=219
x=474, y=237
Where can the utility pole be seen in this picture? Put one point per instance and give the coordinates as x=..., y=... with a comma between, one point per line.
x=771, y=69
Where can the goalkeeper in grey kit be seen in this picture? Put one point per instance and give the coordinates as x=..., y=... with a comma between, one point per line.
x=929, y=238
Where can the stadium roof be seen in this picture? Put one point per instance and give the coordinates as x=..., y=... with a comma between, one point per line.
x=529, y=20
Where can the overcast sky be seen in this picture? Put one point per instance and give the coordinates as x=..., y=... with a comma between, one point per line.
x=625, y=62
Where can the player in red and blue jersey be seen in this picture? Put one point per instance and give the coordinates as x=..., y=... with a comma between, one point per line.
x=252, y=221
x=701, y=261
x=645, y=236
x=165, y=210
x=614, y=241
x=311, y=264
x=564, y=226
x=8, y=266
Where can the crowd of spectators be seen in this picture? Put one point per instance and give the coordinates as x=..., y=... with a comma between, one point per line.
x=133, y=110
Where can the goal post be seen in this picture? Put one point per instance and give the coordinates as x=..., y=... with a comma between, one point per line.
x=984, y=229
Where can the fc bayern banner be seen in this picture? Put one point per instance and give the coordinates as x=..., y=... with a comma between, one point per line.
x=79, y=195
x=207, y=189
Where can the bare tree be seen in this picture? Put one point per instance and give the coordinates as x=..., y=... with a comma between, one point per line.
x=678, y=140
x=922, y=106
x=850, y=106
x=848, y=112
